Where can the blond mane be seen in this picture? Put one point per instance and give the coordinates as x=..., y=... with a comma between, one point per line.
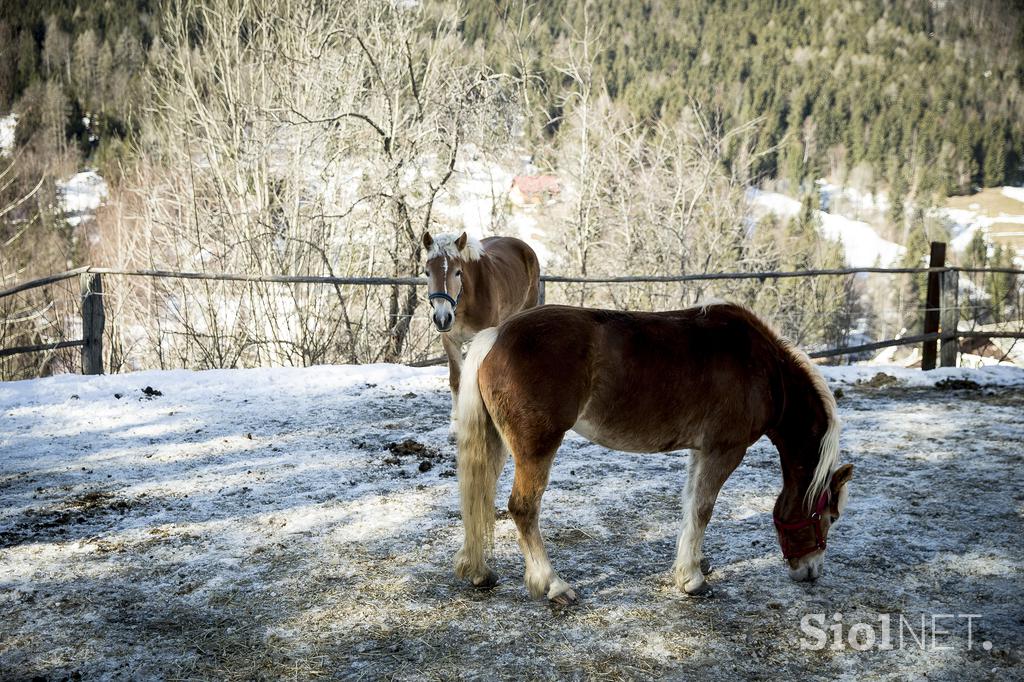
x=444, y=245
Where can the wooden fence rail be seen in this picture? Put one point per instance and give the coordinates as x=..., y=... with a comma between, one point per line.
x=421, y=281
x=940, y=322
x=42, y=347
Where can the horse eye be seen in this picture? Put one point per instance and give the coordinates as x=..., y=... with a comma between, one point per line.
x=458, y=273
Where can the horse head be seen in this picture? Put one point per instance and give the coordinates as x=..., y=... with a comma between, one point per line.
x=445, y=257
x=803, y=537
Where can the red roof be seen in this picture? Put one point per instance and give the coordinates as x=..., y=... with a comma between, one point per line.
x=536, y=184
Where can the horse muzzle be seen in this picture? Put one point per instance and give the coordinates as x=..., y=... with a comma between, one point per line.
x=808, y=568
x=444, y=323
x=444, y=310
x=443, y=317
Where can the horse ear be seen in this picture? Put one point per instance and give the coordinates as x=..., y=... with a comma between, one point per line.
x=460, y=243
x=428, y=241
x=840, y=477
x=837, y=486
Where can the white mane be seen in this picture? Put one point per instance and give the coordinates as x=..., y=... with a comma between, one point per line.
x=706, y=303
x=444, y=245
x=828, y=451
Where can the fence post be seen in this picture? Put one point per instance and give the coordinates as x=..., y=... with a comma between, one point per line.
x=932, y=299
x=93, y=319
x=541, y=293
x=949, y=318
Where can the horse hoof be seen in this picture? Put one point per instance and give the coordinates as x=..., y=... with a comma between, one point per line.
x=487, y=582
x=701, y=590
x=705, y=567
x=567, y=598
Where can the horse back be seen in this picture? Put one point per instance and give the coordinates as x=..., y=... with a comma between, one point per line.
x=642, y=382
x=511, y=275
x=511, y=258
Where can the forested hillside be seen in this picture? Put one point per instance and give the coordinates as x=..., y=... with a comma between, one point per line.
x=918, y=96
x=72, y=74
x=72, y=71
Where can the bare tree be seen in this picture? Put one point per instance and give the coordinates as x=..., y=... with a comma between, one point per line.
x=299, y=138
x=35, y=316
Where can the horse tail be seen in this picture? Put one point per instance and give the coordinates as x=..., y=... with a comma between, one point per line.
x=828, y=449
x=481, y=459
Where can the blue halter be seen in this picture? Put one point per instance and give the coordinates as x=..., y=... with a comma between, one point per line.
x=441, y=294
x=444, y=294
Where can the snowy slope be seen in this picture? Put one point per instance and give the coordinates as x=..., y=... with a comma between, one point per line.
x=1015, y=193
x=966, y=223
x=862, y=245
x=982, y=215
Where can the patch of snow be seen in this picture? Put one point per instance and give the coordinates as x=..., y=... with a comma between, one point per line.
x=863, y=247
x=776, y=203
x=862, y=201
x=526, y=227
x=992, y=376
x=476, y=191
x=972, y=361
x=81, y=195
x=1015, y=193
x=7, y=125
x=964, y=234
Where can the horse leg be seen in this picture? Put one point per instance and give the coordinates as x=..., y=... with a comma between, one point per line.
x=708, y=471
x=454, y=352
x=531, y=478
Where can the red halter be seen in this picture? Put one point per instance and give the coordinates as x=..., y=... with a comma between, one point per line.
x=789, y=551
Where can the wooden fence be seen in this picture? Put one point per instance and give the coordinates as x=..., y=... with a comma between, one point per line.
x=940, y=337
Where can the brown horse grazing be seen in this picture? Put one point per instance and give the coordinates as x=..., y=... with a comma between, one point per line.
x=474, y=285
x=712, y=379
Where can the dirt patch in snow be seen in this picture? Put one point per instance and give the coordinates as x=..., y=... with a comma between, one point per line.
x=880, y=380
x=58, y=520
x=283, y=525
x=953, y=384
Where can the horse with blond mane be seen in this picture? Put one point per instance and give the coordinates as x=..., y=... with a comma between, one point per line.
x=713, y=379
x=473, y=285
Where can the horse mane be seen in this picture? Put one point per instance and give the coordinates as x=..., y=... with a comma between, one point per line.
x=828, y=451
x=444, y=245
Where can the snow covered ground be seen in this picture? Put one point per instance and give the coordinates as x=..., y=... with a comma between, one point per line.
x=300, y=523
